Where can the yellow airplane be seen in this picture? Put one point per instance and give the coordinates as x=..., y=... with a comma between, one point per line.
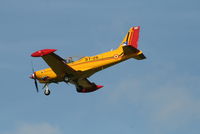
x=77, y=72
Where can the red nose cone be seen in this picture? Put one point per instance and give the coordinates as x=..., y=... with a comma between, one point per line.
x=32, y=76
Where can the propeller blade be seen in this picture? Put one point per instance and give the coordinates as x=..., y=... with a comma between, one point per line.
x=32, y=67
x=36, y=85
x=35, y=78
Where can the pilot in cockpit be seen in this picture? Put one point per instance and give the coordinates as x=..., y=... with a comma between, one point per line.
x=69, y=60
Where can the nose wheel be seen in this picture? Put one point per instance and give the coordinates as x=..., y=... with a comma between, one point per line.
x=46, y=91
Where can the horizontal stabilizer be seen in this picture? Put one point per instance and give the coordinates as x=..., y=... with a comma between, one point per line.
x=140, y=57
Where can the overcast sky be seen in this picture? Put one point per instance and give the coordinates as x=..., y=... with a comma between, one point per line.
x=159, y=95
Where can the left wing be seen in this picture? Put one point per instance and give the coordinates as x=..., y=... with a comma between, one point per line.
x=85, y=86
x=56, y=63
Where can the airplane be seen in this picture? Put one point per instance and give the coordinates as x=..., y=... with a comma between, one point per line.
x=77, y=72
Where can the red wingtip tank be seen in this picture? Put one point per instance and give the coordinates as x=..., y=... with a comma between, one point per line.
x=43, y=52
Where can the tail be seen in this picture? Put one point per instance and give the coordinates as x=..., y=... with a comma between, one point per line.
x=130, y=43
x=132, y=37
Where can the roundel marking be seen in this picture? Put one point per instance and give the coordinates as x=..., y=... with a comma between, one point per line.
x=116, y=56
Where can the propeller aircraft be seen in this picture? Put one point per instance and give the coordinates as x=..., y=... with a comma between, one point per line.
x=77, y=72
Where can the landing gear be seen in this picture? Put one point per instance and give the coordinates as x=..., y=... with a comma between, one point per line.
x=46, y=91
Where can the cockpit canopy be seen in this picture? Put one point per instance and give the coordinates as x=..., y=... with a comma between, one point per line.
x=69, y=60
x=72, y=59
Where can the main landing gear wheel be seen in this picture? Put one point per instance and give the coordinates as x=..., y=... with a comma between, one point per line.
x=47, y=92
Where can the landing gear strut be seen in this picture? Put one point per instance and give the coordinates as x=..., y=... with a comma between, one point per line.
x=46, y=91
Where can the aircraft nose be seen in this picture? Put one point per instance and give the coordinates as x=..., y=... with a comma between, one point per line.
x=32, y=76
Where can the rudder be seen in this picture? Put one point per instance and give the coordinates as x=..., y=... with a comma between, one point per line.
x=132, y=37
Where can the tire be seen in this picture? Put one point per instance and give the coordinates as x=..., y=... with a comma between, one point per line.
x=47, y=92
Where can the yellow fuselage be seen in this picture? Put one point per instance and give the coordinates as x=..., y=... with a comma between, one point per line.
x=88, y=65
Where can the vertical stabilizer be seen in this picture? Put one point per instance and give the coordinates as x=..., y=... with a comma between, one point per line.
x=132, y=37
x=130, y=43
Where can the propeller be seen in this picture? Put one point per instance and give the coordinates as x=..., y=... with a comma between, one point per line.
x=33, y=76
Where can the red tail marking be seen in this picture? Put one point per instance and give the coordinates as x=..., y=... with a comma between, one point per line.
x=134, y=36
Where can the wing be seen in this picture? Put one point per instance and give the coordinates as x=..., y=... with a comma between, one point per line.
x=56, y=63
x=59, y=66
x=85, y=86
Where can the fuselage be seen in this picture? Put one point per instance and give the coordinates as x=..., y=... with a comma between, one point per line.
x=87, y=66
